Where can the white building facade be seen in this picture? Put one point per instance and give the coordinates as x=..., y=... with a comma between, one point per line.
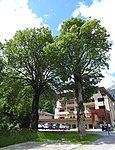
x=100, y=109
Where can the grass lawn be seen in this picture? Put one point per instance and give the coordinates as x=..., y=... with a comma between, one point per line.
x=19, y=136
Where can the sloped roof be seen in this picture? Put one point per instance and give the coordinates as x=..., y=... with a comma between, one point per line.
x=45, y=113
x=103, y=91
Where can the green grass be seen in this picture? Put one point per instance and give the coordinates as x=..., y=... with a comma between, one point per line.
x=66, y=136
x=16, y=136
x=19, y=136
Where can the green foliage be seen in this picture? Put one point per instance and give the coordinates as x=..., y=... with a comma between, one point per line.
x=16, y=136
x=25, y=55
x=33, y=63
x=81, y=49
x=26, y=60
x=80, y=52
x=16, y=102
x=48, y=101
x=15, y=99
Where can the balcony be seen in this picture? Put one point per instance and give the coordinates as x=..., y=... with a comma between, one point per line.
x=63, y=113
x=89, y=104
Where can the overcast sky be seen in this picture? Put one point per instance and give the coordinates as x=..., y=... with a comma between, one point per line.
x=21, y=14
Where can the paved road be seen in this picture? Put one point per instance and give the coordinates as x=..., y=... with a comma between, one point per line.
x=105, y=143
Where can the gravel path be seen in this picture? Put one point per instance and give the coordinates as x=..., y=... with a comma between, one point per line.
x=107, y=142
x=50, y=145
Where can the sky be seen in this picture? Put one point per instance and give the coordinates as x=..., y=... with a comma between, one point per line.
x=21, y=14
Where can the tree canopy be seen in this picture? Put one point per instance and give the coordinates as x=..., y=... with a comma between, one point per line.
x=27, y=60
x=72, y=60
x=82, y=52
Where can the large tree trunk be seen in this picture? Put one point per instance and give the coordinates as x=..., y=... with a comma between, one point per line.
x=35, y=107
x=80, y=110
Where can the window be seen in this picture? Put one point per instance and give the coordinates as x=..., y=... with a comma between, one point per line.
x=91, y=108
x=62, y=110
x=101, y=107
x=71, y=110
x=92, y=100
x=90, y=126
x=73, y=126
x=101, y=99
x=61, y=117
x=62, y=104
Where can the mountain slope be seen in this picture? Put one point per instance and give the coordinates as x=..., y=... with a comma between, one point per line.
x=111, y=90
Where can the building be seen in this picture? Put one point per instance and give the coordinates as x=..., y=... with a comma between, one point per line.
x=100, y=109
x=45, y=115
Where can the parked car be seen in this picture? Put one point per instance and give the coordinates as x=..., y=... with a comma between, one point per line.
x=40, y=126
x=64, y=126
x=61, y=126
x=56, y=126
x=48, y=126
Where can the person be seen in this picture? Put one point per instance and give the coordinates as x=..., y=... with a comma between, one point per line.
x=104, y=126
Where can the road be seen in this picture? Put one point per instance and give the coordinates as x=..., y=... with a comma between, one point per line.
x=105, y=143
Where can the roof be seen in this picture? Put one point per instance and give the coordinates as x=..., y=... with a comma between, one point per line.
x=45, y=113
x=103, y=91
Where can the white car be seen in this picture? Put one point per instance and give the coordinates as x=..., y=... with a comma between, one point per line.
x=48, y=126
x=40, y=126
x=64, y=126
